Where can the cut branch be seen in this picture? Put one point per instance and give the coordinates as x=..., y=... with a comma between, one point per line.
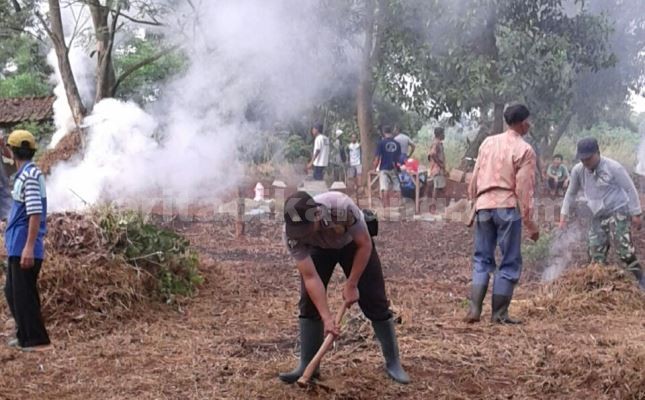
x=16, y=6
x=154, y=22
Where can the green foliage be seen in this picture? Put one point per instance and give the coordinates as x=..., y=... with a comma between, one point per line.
x=25, y=84
x=454, y=145
x=41, y=131
x=614, y=142
x=539, y=251
x=144, y=84
x=144, y=245
x=296, y=150
x=23, y=68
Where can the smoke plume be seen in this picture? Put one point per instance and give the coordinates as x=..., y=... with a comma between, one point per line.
x=250, y=62
x=560, y=254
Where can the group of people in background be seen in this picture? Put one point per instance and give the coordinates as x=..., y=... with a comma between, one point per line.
x=393, y=161
x=395, y=165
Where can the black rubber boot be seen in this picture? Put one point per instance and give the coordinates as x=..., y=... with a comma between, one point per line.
x=638, y=273
x=477, y=296
x=385, y=333
x=311, y=338
x=500, y=310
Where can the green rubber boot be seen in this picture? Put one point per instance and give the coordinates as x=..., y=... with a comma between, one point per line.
x=638, y=274
x=477, y=296
x=500, y=310
x=311, y=338
x=385, y=333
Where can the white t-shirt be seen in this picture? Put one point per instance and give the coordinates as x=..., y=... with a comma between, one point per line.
x=354, y=154
x=321, y=143
x=405, y=141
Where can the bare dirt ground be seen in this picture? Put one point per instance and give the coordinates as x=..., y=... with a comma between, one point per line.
x=583, y=337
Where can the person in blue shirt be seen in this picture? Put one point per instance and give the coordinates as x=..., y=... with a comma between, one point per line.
x=388, y=155
x=24, y=240
x=407, y=184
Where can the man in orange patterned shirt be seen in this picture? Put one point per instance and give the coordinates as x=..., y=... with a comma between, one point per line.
x=502, y=190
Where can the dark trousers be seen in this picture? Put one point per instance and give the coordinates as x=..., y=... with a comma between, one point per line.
x=554, y=184
x=371, y=286
x=319, y=173
x=498, y=227
x=21, y=291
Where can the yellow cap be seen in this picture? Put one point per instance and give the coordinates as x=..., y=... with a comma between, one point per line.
x=18, y=137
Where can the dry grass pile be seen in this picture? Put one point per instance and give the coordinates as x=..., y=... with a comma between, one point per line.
x=594, y=313
x=68, y=147
x=593, y=290
x=84, y=281
x=106, y=266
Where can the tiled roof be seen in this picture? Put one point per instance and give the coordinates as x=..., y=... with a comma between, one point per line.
x=14, y=110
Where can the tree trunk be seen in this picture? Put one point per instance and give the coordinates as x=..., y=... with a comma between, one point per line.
x=485, y=131
x=104, y=32
x=374, y=10
x=467, y=163
x=488, y=48
x=57, y=35
x=548, y=152
x=498, y=118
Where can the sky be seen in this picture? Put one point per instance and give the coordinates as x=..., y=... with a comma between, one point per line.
x=638, y=103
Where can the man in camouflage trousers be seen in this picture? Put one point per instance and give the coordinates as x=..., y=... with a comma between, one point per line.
x=614, y=202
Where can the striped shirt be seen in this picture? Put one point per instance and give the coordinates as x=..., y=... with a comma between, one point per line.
x=29, y=199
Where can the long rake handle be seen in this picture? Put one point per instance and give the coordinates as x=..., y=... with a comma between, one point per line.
x=329, y=341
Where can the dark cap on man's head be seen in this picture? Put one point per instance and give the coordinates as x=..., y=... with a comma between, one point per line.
x=318, y=127
x=587, y=147
x=299, y=214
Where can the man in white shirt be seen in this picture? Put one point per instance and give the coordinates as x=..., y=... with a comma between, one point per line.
x=320, y=158
x=355, y=169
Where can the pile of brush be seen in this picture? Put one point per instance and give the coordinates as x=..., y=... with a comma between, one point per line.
x=90, y=275
x=592, y=290
x=68, y=147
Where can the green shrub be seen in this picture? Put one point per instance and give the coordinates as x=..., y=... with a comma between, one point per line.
x=614, y=142
x=296, y=149
x=164, y=253
x=533, y=253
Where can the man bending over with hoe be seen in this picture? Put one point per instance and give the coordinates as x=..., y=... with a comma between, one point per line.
x=323, y=231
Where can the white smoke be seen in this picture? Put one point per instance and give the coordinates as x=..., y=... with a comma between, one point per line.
x=247, y=55
x=640, y=165
x=560, y=254
x=75, y=19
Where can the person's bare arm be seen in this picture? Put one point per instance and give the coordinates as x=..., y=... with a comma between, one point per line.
x=472, y=187
x=376, y=162
x=412, y=148
x=314, y=158
x=27, y=258
x=525, y=187
x=363, y=243
x=317, y=293
x=5, y=149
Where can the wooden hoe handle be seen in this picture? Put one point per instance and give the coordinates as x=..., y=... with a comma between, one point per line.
x=329, y=341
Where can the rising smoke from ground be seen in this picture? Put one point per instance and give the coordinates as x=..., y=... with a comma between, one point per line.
x=249, y=61
x=560, y=251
